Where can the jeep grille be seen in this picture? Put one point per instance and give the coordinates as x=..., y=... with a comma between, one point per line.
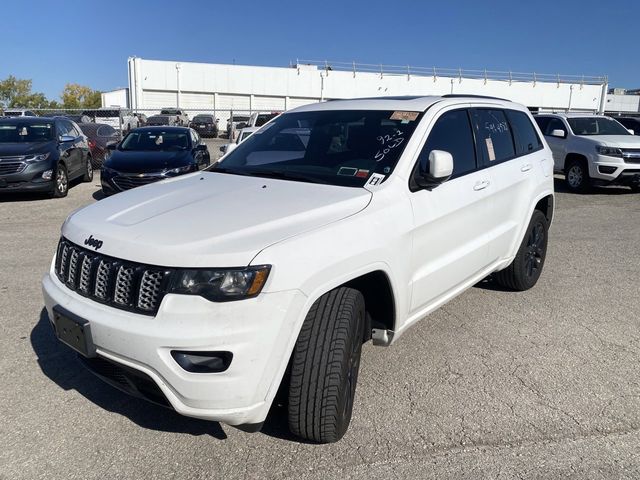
x=119, y=283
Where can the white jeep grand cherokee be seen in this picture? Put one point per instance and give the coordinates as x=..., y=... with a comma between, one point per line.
x=592, y=150
x=335, y=223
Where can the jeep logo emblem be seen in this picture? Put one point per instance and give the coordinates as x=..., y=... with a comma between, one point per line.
x=93, y=242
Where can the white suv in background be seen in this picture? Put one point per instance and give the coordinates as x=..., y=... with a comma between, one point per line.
x=592, y=150
x=337, y=223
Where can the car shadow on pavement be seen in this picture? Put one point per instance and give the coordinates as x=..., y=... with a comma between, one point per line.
x=59, y=363
x=561, y=187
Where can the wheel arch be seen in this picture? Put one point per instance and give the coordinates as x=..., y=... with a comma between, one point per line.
x=574, y=156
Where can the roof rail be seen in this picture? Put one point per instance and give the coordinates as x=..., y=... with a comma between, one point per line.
x=460, y=95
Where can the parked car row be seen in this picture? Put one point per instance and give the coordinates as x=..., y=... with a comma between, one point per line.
x=42, y=154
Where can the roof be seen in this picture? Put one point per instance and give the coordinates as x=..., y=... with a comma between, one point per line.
x=408, y=103
x=570, y=115
x=27, y=120
x=165, y=128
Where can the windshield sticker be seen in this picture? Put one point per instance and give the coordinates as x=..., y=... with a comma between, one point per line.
x=362, y=173
x=348, y=171
x=23, y=132
x=490, y=150
x=375, y=180
x=406, y=117
x=159, y=140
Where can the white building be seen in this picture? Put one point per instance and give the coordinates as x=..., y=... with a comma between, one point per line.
x=196, y=87
x=116, y=98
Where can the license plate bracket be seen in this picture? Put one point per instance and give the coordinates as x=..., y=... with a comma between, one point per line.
x=74, y=331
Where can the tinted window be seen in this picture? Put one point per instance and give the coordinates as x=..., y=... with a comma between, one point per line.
x=554, y=124
x=106, y=131
x=452, y=133
x=264, y=118
x=156, y=140
x=525, y=136
x=24, y=132
x=494, y=135
x=596, y=126
x=63, y=129
x=542, y=123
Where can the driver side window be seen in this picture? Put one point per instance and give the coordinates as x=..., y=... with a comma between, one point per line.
x=452, y=133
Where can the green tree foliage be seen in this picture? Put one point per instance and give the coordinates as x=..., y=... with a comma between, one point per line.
x=79, y=96
x=16, y=92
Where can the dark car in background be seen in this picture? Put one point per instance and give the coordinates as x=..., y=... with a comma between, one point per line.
x=159, y=120
x=205, y=125
x=631, y=123
x=150, y=154
x=42, y=155
x=98, y=136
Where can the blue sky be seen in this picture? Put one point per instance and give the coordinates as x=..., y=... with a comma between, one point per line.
x=88, y=42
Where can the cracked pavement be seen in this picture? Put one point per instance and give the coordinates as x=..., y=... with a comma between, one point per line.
x=496, y=384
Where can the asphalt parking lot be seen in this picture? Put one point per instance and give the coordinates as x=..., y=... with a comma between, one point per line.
x=541, y=384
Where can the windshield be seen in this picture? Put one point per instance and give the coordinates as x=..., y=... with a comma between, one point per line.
x=203, y=119
x=41, y=132
x=156, y=140
x=596, y=126
x=12, y=114
x=341, y=147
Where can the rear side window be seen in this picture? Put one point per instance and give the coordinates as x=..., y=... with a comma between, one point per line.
x=494, y=135
x=452, y=133
x=525, y=136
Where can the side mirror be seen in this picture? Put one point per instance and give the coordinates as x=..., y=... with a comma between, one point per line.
x=440, y=168
x=631, y=131
x=202, y=147
x=112, y=145
x=559, y=133
x=66, y=138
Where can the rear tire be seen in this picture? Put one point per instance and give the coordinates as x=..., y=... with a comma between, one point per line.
x=525, y=270
x=576, y=175
x=88, y=170
x=325, y=364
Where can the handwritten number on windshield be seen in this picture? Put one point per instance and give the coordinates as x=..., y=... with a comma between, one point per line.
x=388, y=142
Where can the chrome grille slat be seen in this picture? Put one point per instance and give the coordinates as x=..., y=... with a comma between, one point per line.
x=126, y=183
x=121, y=284
x=10, y=165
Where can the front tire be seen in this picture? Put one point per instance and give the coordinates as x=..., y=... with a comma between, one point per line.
x=577, y=176
x=525, y=270
x=325, y=365
x=61, y=182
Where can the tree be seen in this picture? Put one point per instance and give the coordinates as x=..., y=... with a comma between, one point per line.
x=79, y=96
x=16, y=92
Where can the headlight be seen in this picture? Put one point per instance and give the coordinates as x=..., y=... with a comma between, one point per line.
x=178, y=171
x=219, y=285
x=609, y=151
x=36, y=158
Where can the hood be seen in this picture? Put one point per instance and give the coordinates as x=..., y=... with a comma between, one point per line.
x=26, y=148
x=621, y=141
x=144, y=162
x=208, y=219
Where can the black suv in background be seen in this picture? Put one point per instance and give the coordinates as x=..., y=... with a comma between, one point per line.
x=42, y=155
x=205, y=125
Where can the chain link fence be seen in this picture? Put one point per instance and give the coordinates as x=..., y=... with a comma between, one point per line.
x=207, y=122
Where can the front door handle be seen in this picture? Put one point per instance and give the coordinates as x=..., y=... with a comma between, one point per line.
x=481, y=185
x=526, y=167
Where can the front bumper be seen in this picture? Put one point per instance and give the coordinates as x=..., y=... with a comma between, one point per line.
x=607, y=170
x=28, y=180
x=260, y=333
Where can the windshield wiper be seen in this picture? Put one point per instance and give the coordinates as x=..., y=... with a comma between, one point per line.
x=280, y=175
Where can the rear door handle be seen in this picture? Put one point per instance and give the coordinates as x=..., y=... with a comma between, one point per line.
x=526, y=167
x=481, y=185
